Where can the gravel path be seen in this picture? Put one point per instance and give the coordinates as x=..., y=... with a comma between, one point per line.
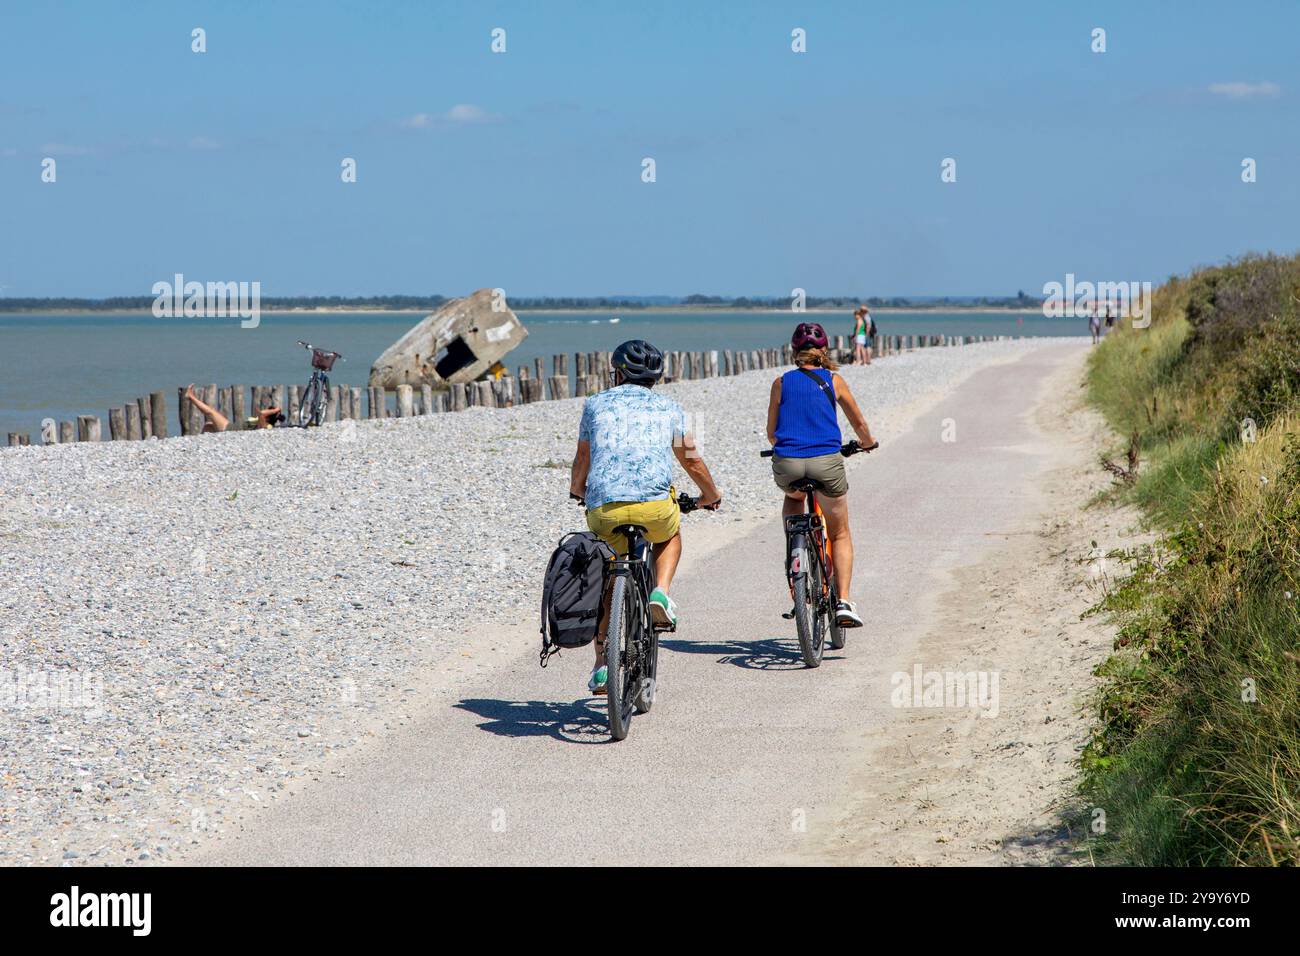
x=214, y=612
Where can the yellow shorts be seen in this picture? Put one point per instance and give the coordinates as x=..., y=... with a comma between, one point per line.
x=661, y=519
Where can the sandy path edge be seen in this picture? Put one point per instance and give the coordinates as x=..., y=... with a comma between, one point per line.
x=956, y=788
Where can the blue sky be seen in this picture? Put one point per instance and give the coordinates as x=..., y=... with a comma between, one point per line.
x=523, y=170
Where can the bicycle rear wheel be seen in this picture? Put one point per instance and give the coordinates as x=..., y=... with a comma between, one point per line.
x=806, y=585
x=621, y=659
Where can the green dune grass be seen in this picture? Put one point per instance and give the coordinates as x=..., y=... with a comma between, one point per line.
x=1196, y=755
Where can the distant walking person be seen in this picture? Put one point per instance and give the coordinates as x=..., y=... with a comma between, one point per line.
x=1094, y=325
x=861, y=336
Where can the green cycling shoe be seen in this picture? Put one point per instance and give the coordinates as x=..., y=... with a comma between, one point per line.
x=663, y=609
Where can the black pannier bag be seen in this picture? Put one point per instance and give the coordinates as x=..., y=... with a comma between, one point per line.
x=572, y=591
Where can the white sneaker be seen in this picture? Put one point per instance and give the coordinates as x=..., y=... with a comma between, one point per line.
x=846, y=615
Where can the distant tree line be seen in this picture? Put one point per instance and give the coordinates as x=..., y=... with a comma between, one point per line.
x=1018, y=301
x=579, y=302
x=143, y=303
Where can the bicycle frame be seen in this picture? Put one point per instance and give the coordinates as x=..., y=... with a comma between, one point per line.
x=807, y=557
x=638, y=567
x=631, y=645
x=812, y=525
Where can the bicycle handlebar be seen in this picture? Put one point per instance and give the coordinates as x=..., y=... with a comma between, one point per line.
x=847, y=449
x=685, y=503
x=316, y=348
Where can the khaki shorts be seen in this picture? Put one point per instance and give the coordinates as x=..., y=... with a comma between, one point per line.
x=827, y=470
x=661, y=520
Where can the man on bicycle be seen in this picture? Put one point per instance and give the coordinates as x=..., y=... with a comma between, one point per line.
x=623, y=470
x=804, y=430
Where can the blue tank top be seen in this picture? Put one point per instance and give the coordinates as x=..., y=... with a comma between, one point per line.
x=806, y=422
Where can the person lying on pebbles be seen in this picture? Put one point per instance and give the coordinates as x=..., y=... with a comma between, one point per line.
x=214, y=421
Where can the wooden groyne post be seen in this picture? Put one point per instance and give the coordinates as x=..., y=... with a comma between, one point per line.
x=146, y=416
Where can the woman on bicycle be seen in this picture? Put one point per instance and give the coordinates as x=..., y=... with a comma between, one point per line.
x=803, y=427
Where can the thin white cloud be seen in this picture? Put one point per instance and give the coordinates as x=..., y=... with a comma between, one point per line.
x=203, y=143
x=1242, y=91
x=64, y=149
x=468, y=113
x=462, y=114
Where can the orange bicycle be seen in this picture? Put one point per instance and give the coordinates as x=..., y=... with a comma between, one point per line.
x=811, y=572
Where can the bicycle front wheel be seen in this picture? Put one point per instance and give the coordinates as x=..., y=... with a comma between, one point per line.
x=838, y=635
x=308, y=403
x=806, y=585
x=319, y=407
x=621, y=659
x=648, y=684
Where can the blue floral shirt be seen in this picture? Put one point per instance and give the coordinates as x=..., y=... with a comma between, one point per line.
x=631, y=430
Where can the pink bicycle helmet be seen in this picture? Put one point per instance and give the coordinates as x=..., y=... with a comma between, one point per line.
x=808, y=335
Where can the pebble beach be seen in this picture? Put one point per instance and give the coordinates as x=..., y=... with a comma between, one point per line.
x=215, y=612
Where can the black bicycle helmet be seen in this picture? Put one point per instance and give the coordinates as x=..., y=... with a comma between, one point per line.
x=640, y=362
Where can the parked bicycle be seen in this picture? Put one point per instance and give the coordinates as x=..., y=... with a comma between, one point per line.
x=631, y=637
x=811, y=571
x=311, y=410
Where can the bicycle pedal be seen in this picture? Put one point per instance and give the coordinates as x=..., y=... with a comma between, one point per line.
x=667, y=627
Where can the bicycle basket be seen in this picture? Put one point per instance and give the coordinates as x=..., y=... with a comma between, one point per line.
x=323, y=360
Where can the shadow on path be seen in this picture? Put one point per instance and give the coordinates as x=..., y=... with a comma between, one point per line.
x=583, y=721
x=769, y=654
x=1053, y=846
